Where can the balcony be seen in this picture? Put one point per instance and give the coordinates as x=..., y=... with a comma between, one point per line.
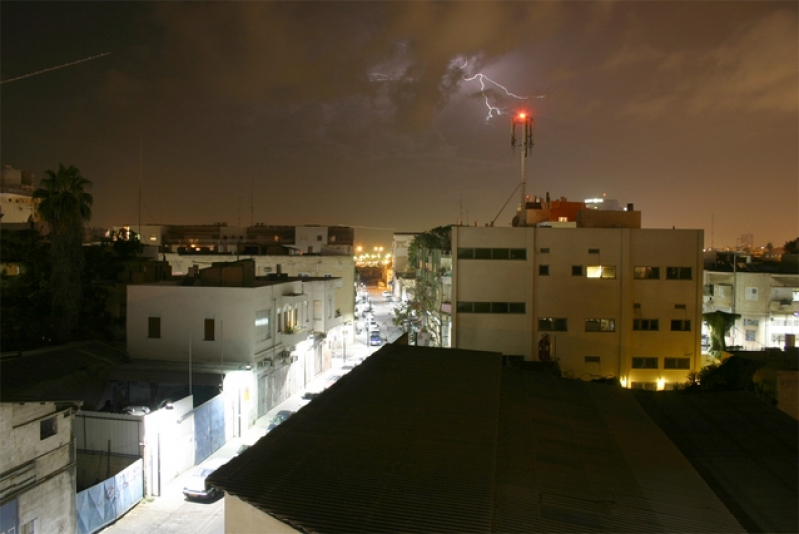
x=293, y=336
x=784, y=306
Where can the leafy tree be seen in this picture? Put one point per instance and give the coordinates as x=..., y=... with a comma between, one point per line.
x=65, y=205
x=426, y=249
x=720, y=324
x=791, y=247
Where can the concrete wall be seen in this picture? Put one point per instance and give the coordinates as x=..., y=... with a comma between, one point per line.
x=94, y=467
x=38, y=470
x=242, y=518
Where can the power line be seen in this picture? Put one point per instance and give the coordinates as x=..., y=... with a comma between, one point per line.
x=54, y=68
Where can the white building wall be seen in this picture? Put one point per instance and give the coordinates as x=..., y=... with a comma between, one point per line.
x=342, y=267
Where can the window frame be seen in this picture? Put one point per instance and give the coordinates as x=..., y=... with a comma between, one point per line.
x=644, y=272
x=677, y=363
x=652, y=325
x=153, y=327
x=644, y=362
x=682, y=325
x=553, y=324
x=606, y=325
x=679, y=273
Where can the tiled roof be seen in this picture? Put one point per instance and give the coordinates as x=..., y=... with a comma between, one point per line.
x=419, y=439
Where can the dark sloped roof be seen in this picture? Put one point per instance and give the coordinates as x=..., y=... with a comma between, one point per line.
x=581, y=457
x=405, y=442
x=746, y=449
x=440, y=440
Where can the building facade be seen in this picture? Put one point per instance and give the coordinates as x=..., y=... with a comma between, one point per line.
x=37, y=467
x=278, y=330
x=16, y=196
x=619, y=301
x=768, y=305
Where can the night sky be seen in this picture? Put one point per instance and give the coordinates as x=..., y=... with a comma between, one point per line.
x=370, y=114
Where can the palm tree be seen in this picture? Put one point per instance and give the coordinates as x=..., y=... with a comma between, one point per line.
x=65, y=206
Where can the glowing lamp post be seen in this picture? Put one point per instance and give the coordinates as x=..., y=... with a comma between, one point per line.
x=528, y=139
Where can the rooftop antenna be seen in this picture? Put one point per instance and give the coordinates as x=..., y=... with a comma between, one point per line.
x=528, y=139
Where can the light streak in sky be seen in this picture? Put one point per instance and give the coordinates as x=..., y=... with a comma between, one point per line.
x=482, y=78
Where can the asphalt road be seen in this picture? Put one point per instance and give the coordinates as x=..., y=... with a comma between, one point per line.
x=172, y=513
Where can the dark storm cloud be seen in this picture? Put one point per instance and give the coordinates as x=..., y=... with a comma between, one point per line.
x=371, y=113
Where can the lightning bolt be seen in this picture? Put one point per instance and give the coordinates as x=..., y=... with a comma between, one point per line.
x=493, y=111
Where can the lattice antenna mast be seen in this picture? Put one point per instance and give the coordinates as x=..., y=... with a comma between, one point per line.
x=528, y=140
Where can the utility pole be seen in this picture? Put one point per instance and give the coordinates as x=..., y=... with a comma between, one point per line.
x=528, y=139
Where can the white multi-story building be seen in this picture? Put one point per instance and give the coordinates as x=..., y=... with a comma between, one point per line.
x=37, y=467
x=768, y=304
x=16, y=196
x=277, y=328
x=601, y=301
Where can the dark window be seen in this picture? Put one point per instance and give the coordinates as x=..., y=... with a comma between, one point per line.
x=592, y=359
x=500, y=254
x=518, y=254
x=676, y=363
x=47, y=428
x=465, y=253
x=543, y=270
x=593, y=251
x=491, y=307
x=679, y=325
x=499, y=307
x=552, y=324
x=645, y=363
x=209, y=330
x=465, y=307
x=646, y=324
x=577, y=270
x=678, y=273
x=482, y=307
x=517, y=307
x=600, y=325
x=679, y=306
x=482, y=253
x=544, y=250
x=154, y=327
x=647, y=273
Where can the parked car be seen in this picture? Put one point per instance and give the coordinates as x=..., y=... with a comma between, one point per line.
x=136, y=410
x=195, y=487
x=279, y=417
x=310, y=395
x=375, y=339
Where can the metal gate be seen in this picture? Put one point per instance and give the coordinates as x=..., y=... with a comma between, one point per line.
x=209, y=428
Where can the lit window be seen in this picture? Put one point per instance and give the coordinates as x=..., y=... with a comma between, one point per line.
x=600, y=325
x=600, y=271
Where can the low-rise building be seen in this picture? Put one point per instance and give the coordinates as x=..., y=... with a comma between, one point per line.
x=281, y=328
x=37, y=467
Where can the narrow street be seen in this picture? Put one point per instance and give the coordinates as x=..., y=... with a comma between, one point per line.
x=172, y=513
